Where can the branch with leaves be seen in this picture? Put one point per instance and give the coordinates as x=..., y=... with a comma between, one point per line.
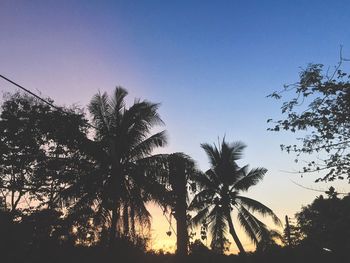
x=319, y=107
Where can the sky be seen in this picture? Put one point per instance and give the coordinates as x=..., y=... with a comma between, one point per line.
x=210, y=64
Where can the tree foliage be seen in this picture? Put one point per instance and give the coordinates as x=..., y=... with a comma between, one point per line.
x=177, y=172
x=292, y=236
x=219, y=195
x=319, y=106
x=42, y=157
x=64, y=184
x=326, y=223
x=124, y=144
x=40, y=153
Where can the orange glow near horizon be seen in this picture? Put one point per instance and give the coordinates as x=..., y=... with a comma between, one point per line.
x=283, y=201
x=160, y=241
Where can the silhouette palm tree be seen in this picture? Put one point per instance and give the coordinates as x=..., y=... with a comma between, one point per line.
x=181, y=167
x=124, y=135
x=176, y=172
x=219, y=196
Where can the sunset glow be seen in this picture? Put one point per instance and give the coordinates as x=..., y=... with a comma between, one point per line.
x=210, y=65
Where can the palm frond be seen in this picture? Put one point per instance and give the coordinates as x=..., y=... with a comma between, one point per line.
x=100, y=110
x=212, y=153
x=117, y=105
x=248, y=226
x=218, y=229
x=237, y=150
x=137, y=123
x=256, y=206
x=118, y=100
x=146, y=147
x=259, y=228
x=200, y=217
x=223, y=160
x=205, y=180
x=250, y=179
x=203, y=199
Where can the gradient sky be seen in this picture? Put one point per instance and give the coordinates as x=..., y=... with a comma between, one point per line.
x=210, y=63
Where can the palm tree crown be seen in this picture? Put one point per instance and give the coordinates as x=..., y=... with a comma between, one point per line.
x=125, y=136
x=219, y=196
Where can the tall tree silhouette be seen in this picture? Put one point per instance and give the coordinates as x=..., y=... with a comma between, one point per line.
x=180, y=168
x=124, y=134
x=219, y=195
x=176, y=171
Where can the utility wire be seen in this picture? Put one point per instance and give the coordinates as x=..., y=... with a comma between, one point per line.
x=32, y=93
x=39, y=98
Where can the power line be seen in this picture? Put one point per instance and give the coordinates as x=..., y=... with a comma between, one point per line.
x=39, y=98
x=31, y=93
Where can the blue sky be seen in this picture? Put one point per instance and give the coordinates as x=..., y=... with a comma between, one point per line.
x=210, y=63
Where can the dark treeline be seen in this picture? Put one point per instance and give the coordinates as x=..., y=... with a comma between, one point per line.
x=78, y=192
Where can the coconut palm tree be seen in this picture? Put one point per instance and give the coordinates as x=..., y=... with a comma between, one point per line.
x=124, y=136
x=172, y=179
x=220, y=196
x=181, y=167
x=175, y=174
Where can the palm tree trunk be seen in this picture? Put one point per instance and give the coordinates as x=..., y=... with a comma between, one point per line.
x=113, y=229
x=178, y=175
x=115, y=180
x=126, y=230
x=234, y=234
x=181, y=229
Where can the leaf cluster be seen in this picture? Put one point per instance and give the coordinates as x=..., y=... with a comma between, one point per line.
x=319, y=106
